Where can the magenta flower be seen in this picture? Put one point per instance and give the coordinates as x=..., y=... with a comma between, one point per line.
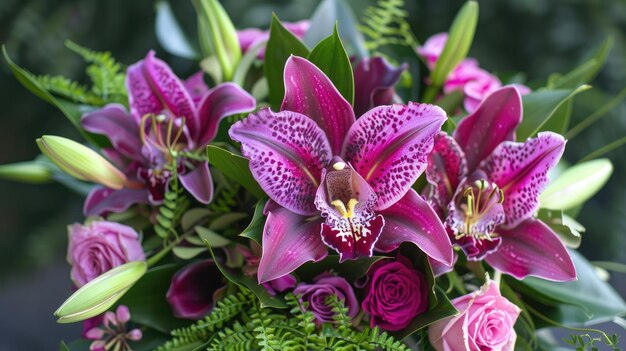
x=113, y=334
x=324, y=286
x=251, y=37
x=339, y=181
x=432, y=48
x=486, y=187
x=374, y=79
x=167, y=117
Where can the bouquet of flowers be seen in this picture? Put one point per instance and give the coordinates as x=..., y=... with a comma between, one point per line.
x=327, y=184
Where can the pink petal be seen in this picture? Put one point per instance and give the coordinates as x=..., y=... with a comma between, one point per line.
x=287, y=152
x=134, y=335
x=102, y=200
x=122, y=314
x=520, y=170
x=374, y=79
x=493, y=122
x=289, y=241
x=118, y=126
x=412, y=220
x=308, y=91
x=222, y=101
x=432, y=48
x=389, y=147
x=199, y=183
x=196, y=87
x=532, y=248
x=446, y=168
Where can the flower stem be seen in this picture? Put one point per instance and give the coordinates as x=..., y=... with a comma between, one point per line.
x=497, y=277
x=430, y=94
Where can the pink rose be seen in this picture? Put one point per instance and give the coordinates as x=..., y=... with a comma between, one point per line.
x=395, y=294
x=485, y=323
x=100, y=246
x=432, y=48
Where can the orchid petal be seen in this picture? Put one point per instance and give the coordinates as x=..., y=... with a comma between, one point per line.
x=196, y=87
x=309, y=91
x=287, y=152
x=520, y=170
x=199, y=183
x=446, y=168
x=532, y=249
x=374, y=79
x=102, y=200
x=493, y=122
x=389, y=147
x=222, y=101
x=118, y=126
x=412, y=220
x=289, y=241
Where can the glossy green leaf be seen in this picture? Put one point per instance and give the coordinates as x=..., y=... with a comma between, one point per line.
x=214, y=239
x=235, y=168
x=280, y=46
x=567, y=228
x=254, y=230
x=331, y=57
x=170, y=35
x=28, y=172
x=100, y=294
x=576, y=185
x=540, y=106
x=559, y=123
x=586, y=71
x=460, y=38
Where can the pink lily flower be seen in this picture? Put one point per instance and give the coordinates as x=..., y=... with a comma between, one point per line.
x=167, y=116
x=486, y=187
x=337, y=181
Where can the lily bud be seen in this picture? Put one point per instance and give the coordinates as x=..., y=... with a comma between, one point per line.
x=80, y=161
x=29, y=172
x=100, y=294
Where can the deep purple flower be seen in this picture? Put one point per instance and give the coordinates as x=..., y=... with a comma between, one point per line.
x=374, y=79
x=113, y=334
x=486, y=187
x=167, y=116
x=336, y=180
x=251, y=37
x=194, y=290
x=324, y=286
x=395, y=294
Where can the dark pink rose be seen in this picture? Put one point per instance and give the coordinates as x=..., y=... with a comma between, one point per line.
x=100, y=246
x=485, y=323
x=396, y=293
x=323, y=286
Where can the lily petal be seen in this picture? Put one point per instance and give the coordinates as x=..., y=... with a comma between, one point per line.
x=374, y=79
x=493, y=122
x=222, y=101
x=412, y=220
x=389, y=147
x=520, y=170
x=287, y=152
x=102, y=200
x=308, y=91
x=289, y=241
x=199, y=182
x=196, y=87
x=118, y=126
x=446, y=168
x=532, y=248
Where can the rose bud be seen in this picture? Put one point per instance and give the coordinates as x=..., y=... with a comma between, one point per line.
x=323, y=286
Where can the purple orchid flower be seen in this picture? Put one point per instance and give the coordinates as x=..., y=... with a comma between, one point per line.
x=337, y=181
x=374, y=79
x=167, y=117
x=486, y=187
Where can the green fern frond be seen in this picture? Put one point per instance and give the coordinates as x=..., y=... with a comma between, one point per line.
x=225, y=199
x=174, y=205
x=386, y=24
x=69, y=90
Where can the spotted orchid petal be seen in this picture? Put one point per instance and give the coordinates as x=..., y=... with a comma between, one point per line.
x=389, y=147
x=154, y=88
x=446, y=168
x=222, y=101
x=374, y=79
x=532, y=249
x=289, y=241
x=412, y=220
x=287, y=152
x=346, y=201
x=199, y=182
x=196, y=87
x=118, y=126
x=493, y=122
x=520, y=170
x=308, y=91
x=102, y=200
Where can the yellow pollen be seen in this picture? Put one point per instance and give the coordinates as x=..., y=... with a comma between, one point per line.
x=341, y=207
x=338, y=166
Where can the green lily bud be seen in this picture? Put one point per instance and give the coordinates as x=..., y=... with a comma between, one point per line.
x=218, y=36
x=80, y=161
x=100, y=294
x=28, y=172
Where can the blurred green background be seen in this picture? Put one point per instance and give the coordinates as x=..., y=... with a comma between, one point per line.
x=534, y=36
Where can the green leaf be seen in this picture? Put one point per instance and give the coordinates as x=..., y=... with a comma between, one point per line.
x=29, y=172
x=567, y=228
x=351, y=269
x=326, y=15
x=63, y=347
x=254, y=230
x=576, y=185
x=586, y=71
x=246, y=63
x=192, y=217
x=214, y=239
x=235, y=168
x=460, y=38
x=605, y=149
x=187, y=252
x=147, y=302
x=559, y=123
x=540, y=106
x=170, y=35
x=280, y=46
x=331, y=57
x=249, y=283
